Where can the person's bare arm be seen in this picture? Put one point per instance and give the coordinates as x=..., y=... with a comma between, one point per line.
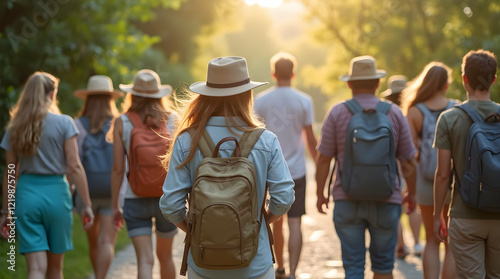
x=311, y=141
x=441, y=182
x=322, y=171
x=117, y=173
x=77, y=175
x=409, y=169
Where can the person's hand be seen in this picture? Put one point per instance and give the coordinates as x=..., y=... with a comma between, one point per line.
x=87, y=217
x=4, y=229
x=322, y=200
x=440, y=229
x=411, y=203
x=117, y=218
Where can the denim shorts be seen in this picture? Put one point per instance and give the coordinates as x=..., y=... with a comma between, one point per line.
x=352, y=219
x=44, y=214
x=139, y=213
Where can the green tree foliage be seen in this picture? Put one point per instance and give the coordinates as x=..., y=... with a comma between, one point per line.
x=404, y=35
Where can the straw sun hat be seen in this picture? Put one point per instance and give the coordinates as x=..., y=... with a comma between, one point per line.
x=396, y=85
x=147, y=84
x=226, y=76
x=98, y=85
x=363, y=68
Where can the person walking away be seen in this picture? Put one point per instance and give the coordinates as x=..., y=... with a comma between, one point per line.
x=397, y=84
x=474, y=217
x=220, y=113
x=96, y=154
x=288, y=112
x=141, y=135
x=366, y=135
x=41, y=148
x=424, y=100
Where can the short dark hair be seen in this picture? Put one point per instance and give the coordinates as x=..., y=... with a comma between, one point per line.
x=370, y=84
x=480, y=67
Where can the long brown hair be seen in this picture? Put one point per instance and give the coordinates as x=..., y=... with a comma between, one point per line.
x=199, y=108
x=155, y=112
x=98, y=108
x=28, y=114
x=431, y=80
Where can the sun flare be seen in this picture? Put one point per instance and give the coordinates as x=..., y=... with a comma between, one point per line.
x=265, y=3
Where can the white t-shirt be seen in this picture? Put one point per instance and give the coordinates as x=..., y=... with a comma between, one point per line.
x=286, y=111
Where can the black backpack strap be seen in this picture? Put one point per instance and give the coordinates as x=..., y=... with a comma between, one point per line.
x=248, y=140
x=353, y=106
x=206, y=144
x=383, y=107
x=472, y=113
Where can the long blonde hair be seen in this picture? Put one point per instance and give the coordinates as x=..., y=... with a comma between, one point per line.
x=28, y=114
x=199, y=108
x=154, y=111
x=98, y=108
x=432, y=79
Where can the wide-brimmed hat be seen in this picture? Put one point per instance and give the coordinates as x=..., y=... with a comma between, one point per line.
x=147, y=84
x=226, y=76
x=396, y=85
x=363, y=68
x=98, y=85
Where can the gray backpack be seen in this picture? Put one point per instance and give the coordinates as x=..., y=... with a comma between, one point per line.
x=369, y=171
x=427, y=163
x=479, y=186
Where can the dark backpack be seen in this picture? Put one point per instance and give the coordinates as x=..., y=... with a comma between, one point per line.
x=480, y=186
x=369, y=171
x=96, y=155
x=146, y=174
x=427, y=163
x=223, y=219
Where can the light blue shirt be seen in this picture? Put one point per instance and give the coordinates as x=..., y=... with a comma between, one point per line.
x=270, y=168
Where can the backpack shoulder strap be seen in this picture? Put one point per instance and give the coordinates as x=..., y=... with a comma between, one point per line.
x=471, y=112
x=424, y=109
x=248, y=140
x=383, y=107
x=353, y=106
x=85, y=123
x=134, y=118
x=452, y=103
x=206, y=144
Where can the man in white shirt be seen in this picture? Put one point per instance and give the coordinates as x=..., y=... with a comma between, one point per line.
x=288, y=113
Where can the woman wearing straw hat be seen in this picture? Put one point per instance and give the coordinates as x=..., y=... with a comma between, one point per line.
x=41, y=148
x=97, y=158
x=146, y=100
x=223, y=106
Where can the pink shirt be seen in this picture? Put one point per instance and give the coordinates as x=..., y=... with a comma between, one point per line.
x=333, y=138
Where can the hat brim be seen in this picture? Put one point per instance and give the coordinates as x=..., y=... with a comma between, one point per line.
x=165, y=90
x=379, y=74
x=202, y=89
x=83, y=93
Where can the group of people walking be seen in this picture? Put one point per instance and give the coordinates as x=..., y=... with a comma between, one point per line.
x=209, y=168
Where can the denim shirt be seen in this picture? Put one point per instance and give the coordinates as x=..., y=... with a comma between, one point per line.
x=270, y=168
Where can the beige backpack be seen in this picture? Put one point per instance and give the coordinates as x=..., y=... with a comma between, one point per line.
x=223, y=219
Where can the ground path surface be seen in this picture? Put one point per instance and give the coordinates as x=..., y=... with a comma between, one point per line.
x=321, y=257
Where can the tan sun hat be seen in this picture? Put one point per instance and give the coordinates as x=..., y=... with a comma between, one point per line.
x=396, y=85
x=363, y=68
x=96, y=85
x=147, y=84
x=226, y=76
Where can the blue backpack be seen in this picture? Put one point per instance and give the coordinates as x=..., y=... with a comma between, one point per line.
x=427, y=163
x=96, y=155
x=369, y=171
x=480, y=187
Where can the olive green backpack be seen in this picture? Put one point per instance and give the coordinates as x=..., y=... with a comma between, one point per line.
x=223, y=219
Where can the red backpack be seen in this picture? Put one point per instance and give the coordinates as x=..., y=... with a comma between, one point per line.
x=146, y=174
